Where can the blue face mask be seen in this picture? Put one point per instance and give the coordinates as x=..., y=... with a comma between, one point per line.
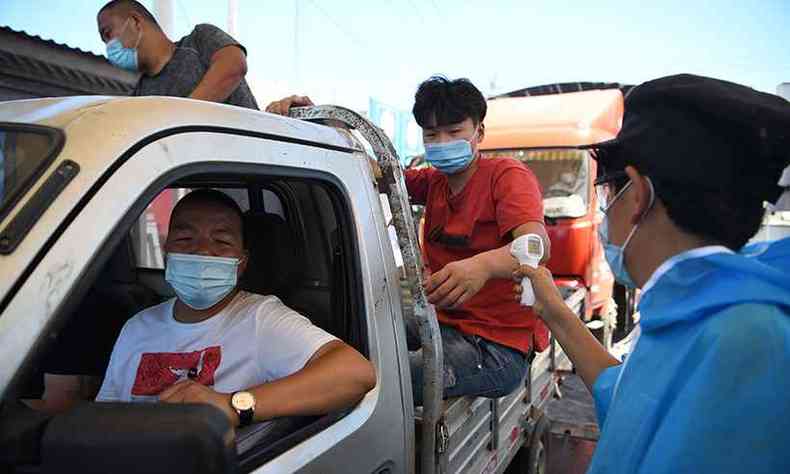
x=615, y=256
x=201, y=281
x=119, y=56
x=449, y=157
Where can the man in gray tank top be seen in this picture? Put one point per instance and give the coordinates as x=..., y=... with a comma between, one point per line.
x=207, y=64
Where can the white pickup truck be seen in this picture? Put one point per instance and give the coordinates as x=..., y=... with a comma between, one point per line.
x=86, y=186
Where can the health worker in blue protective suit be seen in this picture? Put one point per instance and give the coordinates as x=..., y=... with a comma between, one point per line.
x=705, y=388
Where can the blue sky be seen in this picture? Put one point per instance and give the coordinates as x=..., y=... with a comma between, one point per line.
x=345, y=51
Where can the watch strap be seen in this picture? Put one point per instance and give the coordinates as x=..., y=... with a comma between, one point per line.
x=245, y=416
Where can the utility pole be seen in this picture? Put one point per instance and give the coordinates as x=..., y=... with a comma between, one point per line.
x=233, y=13
x=296, y=44
x=163, y=9
x=492, y=85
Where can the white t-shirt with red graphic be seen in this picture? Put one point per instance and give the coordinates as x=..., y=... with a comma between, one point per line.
x=254, y=340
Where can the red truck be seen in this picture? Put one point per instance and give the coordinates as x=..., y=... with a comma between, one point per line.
x=545, y=133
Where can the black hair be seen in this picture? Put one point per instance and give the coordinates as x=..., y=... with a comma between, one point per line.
x=130, y=5
x=440, y=101
x=720, y=215
x=207, y=195
x=723, y=216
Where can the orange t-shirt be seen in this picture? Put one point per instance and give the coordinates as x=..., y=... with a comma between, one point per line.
x=501, y=195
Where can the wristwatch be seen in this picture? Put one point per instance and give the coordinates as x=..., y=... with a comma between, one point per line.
x=244, y=404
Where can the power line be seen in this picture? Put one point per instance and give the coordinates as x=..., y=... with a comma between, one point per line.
x=184, y=12
x=296, y=41
x=352, y=37
x=417, y=12
x=436, y=9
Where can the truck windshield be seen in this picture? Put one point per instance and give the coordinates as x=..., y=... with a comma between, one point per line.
x=563, y=174
x=25, y=151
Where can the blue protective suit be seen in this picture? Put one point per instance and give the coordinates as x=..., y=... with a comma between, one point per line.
x=706, y=388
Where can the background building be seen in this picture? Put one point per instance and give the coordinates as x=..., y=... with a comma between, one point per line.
x=31, y=66
x=400, y=127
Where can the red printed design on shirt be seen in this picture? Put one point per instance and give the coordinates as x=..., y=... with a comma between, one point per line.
x=159, y=370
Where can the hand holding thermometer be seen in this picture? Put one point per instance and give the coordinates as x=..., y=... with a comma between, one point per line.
x=528, y=250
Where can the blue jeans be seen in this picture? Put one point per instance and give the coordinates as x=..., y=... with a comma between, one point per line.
x=472, y=365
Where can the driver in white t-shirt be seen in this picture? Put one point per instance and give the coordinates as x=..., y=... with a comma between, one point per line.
x=247, y=354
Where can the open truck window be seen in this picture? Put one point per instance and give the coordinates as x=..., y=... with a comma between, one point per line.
x=149, y=234
x=307, y=263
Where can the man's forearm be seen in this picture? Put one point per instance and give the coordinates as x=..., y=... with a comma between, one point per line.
x=216, y=88
x=498, y=263
x=336, y=380
x=222, y=78
x=62, y=392
x=588, y=356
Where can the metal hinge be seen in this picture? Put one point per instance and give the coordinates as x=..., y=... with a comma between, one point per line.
x=493, y=445
x=442, y=437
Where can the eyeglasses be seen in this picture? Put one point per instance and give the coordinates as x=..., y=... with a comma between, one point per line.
x=607, y=193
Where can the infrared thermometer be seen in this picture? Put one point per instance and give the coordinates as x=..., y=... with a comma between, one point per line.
x=528, y=250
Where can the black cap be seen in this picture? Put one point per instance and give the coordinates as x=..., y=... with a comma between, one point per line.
x=702, y=132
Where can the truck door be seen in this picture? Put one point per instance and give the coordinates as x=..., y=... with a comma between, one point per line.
x=322, y=209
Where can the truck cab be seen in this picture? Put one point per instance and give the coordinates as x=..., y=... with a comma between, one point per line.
x=86, y=181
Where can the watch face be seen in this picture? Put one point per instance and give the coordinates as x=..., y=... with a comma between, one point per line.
x=243, y=401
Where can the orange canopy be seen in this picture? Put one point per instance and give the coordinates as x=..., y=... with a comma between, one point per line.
x=558, y=120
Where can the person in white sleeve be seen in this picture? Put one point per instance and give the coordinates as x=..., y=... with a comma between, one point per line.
x=247, y=354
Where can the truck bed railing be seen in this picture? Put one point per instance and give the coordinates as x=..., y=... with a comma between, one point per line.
x=423, y=312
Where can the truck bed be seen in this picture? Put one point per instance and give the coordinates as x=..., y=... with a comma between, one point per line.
x=477, y=443
x=483, y=435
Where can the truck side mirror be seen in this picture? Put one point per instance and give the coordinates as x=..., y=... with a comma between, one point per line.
x=139, y=437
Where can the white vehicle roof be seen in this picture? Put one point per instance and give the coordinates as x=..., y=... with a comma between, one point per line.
x=122, y=118
x=99, y=130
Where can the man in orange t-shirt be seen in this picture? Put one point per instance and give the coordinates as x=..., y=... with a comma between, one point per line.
x=474, y=209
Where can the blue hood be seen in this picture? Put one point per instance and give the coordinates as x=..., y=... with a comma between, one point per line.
x=697, y=287
x=704, y=389
x=775, y=253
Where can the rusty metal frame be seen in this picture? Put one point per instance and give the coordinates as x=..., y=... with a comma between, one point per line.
x=424, y=313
